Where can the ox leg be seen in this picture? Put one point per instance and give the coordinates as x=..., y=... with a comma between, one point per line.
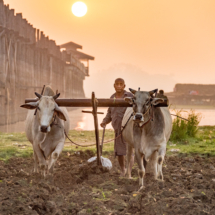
x=141, y=171
x=35, y=163
x=160, y=159
x=129, y=161
x=41, y=158
x=55, y=154
x=153, y=162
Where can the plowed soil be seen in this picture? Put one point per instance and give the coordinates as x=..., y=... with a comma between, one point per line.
x=79, y=188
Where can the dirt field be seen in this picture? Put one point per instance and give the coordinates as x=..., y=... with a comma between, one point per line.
x=78, y=188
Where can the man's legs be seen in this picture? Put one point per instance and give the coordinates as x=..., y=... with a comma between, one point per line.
x=121, y=159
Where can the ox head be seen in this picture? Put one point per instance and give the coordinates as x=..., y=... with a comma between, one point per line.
x=47, y=108
x=141, y=102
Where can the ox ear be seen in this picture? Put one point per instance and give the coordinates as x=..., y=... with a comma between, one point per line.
x=59, y=113
x=129, y=100
x=30, y=105
x=156, y=101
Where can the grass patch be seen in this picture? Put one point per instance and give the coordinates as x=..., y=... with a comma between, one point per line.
x=183, y=129
x=88, y=137
x=202, y=144
x=17, y=145
x=14, y=145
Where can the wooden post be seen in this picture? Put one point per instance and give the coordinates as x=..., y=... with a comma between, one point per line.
x=94, y=105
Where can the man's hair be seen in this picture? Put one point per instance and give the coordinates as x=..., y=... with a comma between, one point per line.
x=161, y=91
x=119, y=79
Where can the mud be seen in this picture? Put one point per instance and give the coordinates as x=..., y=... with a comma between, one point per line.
x=79, y=188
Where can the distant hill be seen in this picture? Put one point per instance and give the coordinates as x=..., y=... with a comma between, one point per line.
x=102, y=82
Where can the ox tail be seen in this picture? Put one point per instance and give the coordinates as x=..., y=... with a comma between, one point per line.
x=48, y=91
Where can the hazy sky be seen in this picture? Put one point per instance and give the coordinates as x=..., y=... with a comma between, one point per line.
x=152, y=43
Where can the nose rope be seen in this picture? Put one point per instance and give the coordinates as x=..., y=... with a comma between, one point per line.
x=146, y=111
x=150, y=118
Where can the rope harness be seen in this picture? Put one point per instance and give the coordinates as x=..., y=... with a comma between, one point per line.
x=150, y=118
x=123, y=127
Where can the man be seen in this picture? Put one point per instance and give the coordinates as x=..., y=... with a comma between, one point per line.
x=115, y=115
x=161, y=95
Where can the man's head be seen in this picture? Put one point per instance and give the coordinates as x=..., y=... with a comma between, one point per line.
x=161, y=92
x=119, y=85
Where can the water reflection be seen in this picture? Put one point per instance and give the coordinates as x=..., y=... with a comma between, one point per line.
x=84, y=121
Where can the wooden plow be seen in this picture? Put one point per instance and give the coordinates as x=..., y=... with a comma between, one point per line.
x=95, y=103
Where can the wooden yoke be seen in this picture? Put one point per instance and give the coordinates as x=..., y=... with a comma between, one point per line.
x=100, y=103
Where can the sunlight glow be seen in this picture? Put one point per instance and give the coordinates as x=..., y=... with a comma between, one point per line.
x=79, y=9
x=81, y=125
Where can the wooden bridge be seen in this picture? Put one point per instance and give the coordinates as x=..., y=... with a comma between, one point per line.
x=29, y=59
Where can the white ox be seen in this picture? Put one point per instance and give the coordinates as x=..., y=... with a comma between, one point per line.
x=147, y=132
x=45, y=130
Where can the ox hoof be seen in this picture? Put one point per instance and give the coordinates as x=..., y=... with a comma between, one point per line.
x=35, y=171
x=141, y=188
x=129, y=177
x=160, y=177
x=44, y=173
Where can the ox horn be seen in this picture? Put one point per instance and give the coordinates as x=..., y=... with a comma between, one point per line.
x=56, y=96
x=133, y=91
x=153, y=91
x=38, y=95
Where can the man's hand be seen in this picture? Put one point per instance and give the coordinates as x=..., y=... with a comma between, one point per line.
x=103, y=125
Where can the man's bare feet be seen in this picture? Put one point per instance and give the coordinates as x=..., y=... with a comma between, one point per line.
x=123, y=173
x=121, y=160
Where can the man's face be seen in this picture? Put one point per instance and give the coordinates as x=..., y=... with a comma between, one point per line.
x=119, y=86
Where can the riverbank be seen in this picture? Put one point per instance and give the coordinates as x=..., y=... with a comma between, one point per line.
x=194, y=107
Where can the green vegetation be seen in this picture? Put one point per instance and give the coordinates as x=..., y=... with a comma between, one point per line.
x=187, y=137
x=203, y=143
x=88, y=138
x=183, y=129
x=196, y=140
x=16, y=144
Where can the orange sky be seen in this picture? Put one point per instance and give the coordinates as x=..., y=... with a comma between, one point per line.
x=151, y=43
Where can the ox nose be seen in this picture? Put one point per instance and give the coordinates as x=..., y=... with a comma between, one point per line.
x=43, y=128
x=138, y=116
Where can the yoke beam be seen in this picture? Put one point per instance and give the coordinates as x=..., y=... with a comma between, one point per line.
x=100, y=103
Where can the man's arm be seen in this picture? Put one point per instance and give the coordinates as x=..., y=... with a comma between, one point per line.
x=107, y=118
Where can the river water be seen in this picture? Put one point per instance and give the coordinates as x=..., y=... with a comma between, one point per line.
x=84, y=121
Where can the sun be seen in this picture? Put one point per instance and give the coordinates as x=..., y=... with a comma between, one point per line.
x=79, y=9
